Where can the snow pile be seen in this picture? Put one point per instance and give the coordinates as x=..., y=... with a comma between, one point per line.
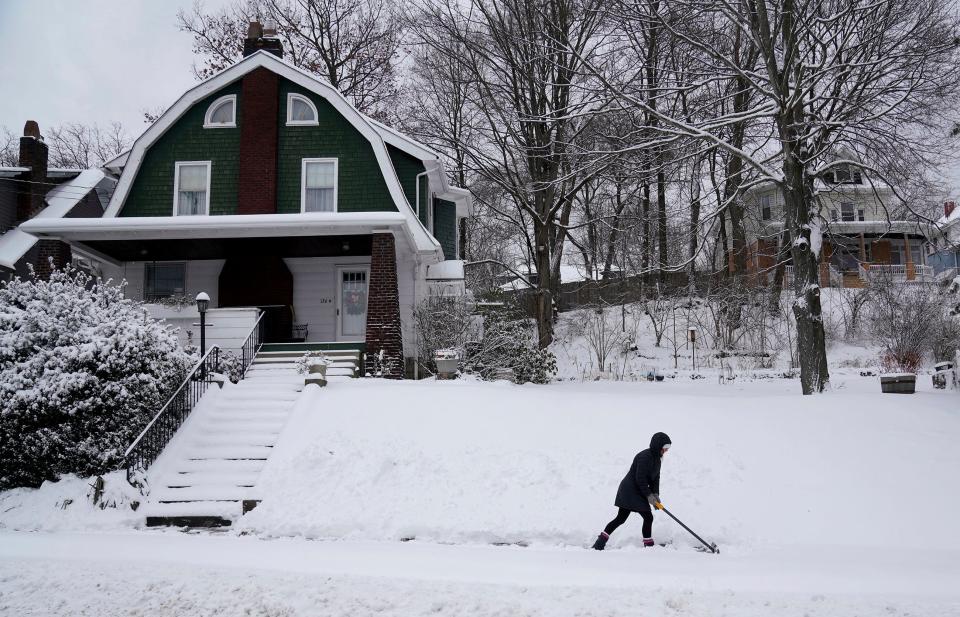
x=69, y=505
x=753, y=464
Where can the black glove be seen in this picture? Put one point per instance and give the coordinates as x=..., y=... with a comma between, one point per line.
x=654, y=499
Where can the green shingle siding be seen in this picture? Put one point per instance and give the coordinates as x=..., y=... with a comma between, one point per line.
x=360, y=183
x=445, y=227
x=187, y=140
x=408, y=168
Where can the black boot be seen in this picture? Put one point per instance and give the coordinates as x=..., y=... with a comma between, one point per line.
x=601, y=541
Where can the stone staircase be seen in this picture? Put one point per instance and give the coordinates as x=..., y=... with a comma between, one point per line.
x=345, y=362
x=211, y=473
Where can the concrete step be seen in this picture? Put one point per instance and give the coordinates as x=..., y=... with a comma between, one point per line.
x=208, y=478
x=225, y=425
x=296, y=355
x=240, y=439
x=214, y=466
x=203, y=493
x=227, y=452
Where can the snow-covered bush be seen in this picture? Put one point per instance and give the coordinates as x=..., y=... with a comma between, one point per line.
x=442, y=323
x=311, y=358
x=509, y=343
x=903, y=317
x=82, y=371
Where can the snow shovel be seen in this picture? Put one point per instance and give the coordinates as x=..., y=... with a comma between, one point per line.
x=711, y=547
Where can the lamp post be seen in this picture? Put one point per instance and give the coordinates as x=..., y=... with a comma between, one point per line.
x=203, y=302
x=692, y=337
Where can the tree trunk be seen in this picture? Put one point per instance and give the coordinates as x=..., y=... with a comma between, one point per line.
x=811, y=340
x=662, y=221
x=544, y=304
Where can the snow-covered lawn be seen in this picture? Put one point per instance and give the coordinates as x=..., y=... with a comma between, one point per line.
x=841, y=504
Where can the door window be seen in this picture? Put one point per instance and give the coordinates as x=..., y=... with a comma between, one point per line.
x=353, y=303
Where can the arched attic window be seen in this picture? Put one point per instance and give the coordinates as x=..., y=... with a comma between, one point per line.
x=222, y=113
x=301, y=111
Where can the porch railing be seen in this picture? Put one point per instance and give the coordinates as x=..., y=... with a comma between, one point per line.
x=252, y=344
x=154, y=438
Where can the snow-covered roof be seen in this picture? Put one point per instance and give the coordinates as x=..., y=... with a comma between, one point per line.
x=423, y=241
x=451, y=269
x=117, y=163
x=61, y=199
x=13, y=246
x=9, y=172
x=221, y=226
x=569, y=273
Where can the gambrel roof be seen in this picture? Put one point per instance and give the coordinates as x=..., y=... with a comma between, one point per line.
x=377, y=134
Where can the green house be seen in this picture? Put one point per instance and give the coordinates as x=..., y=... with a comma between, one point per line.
x=264, y=187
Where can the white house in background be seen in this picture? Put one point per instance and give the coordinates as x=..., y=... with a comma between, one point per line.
x=868, y=231
x=264, y=187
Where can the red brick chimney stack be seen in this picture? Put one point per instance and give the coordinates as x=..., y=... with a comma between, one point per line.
x=33, y=154
x=948, y=207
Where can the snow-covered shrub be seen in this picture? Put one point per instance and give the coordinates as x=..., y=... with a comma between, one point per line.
x=311, y=358
x=508, y=342
x=82, y=371
x=442, y=323
x=903, y=317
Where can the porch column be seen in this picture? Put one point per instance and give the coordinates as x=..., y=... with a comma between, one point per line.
x=863, y=250
x=908, y=258
x=383, y=306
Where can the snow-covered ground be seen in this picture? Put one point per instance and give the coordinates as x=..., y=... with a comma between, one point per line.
x=840, y=504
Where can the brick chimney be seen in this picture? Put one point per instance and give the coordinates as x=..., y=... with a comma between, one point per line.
x=948, y=207
x=261, y=37
x=33, y=154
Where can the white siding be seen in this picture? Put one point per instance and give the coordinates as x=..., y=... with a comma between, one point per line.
x=202, y=275
x=226, y=327
x=315, y=293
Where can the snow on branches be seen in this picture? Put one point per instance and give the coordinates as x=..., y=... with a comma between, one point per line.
x=82, y=371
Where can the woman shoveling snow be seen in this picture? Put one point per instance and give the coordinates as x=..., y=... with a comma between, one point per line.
x=639, y=491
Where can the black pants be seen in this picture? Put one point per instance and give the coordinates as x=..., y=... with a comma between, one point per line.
x=623, y=513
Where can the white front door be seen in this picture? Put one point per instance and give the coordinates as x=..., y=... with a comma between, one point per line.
x=351, y=303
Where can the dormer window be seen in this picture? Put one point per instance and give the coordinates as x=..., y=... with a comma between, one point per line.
x=844, y=174
x=301, y=111
x=222, y=113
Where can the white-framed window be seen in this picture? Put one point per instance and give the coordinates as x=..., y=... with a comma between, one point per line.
x=847, y=211
x=164, y=279
x=318, y=192
x=191, y=188
x=301, y=111
x=222, y=113
x=766, y=209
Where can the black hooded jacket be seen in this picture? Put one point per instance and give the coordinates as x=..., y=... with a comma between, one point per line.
x=643, y=477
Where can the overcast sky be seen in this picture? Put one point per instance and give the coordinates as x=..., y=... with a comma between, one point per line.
x=91, y=60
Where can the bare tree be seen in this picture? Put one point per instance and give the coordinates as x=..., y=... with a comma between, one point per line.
x=9, y=148
x=869, y=76
x=84, y=146
x=523, y=61
x=354, y=44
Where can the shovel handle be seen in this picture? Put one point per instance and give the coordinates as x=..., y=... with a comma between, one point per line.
x=713, y=547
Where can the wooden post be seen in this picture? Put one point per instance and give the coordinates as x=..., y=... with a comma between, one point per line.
x=909, y=258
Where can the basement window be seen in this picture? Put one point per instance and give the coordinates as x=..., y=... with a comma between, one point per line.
x=191, y=195
x=319, y=185
x=162, y=280
x=222, y=113
x=301, y=111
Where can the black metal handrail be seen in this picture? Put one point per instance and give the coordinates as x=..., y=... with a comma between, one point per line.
x=154, y=438
x=252, y=345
